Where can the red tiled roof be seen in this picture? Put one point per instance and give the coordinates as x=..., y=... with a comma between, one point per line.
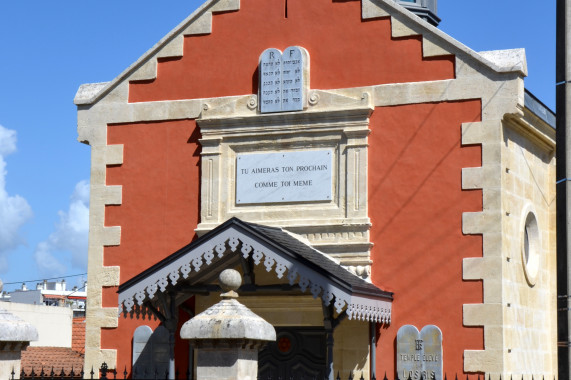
x=78, y=335
x=47, y=358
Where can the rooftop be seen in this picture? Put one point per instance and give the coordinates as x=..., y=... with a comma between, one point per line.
x=51, y=358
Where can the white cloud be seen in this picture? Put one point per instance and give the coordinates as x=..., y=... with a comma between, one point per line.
x=14, y=210
x=70, y=236
x=7, y=141
x=47, y=263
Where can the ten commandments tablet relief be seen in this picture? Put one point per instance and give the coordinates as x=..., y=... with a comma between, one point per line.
x=284, y=79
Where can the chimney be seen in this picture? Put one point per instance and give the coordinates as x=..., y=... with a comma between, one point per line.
x=24, y=287
x=425, y=9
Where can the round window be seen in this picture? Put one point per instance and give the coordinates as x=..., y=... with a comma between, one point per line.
x=531, y=247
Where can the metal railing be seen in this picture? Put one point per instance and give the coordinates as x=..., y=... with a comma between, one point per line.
x=105, y=373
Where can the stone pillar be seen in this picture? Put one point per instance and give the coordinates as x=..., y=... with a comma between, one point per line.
x=228, y=336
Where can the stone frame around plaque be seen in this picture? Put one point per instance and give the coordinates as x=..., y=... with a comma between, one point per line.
x=340, y=124
x=232, y=147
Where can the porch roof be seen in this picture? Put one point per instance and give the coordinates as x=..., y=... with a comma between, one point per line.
x=278, y=250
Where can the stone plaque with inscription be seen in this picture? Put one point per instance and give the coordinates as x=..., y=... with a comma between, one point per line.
x=283, y=80
x=302, y=176
x=419, y=353
x=270, y=80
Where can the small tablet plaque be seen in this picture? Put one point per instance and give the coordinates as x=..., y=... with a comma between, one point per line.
x=302, y=176
x=270, y=80
x=419, y=354
x=283, y=79
x=292, y=79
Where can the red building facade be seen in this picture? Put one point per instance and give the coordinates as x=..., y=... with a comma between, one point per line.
x=427, y=180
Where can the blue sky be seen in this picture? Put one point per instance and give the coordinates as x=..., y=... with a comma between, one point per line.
x=48, y=49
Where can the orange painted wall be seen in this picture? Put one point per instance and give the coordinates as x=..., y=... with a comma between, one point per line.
x=160, y=208
x=345, y=52
x=161, y=192
x=416, y=204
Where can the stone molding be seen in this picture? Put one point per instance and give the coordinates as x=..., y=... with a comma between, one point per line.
x=533, y=128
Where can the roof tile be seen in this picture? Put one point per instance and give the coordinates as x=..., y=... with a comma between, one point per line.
x=48, y=358
x=78, y=335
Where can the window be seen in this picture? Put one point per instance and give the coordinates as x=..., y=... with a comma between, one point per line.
x=530, y=246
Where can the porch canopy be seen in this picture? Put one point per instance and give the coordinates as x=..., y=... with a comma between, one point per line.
x=194, y=268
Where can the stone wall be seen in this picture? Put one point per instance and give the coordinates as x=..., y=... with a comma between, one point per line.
x=529, y=290
x=54, y=324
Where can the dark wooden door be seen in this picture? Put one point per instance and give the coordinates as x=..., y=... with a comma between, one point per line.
x=298, y=352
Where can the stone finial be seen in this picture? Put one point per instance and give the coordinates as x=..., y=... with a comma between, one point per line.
x=227, y=335
x=14, y=329
x=230, y=280
x=228, y=319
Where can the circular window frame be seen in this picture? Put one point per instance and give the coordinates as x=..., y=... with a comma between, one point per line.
x=530, y=245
